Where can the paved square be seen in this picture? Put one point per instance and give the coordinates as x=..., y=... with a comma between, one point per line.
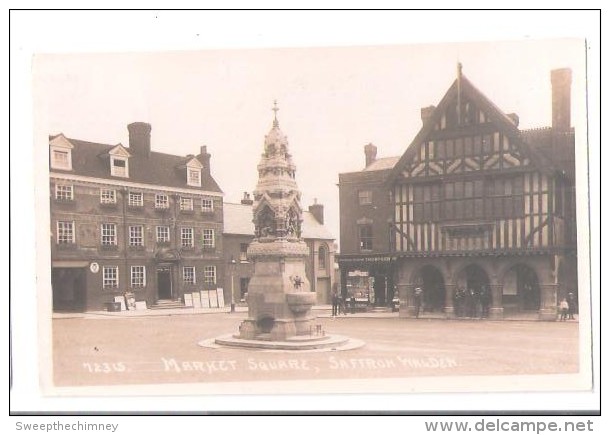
x=164, y=349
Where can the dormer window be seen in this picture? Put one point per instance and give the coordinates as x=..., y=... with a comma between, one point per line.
x=193, y=169
x=119, y=161
x=194, y=177
x=61, y=153
x=61, y=160
x=118, y=167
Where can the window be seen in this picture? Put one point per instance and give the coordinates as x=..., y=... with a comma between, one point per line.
x=322, y=257
x=188, y=275
x=64, y=192
x=136, y=199
x=186, y=237
x=163, y=234
x=463, y=200
x=65, y=232
x=118, y=167
x=186, y=204
x=136, y=235
x=107, y=196
x=110, y=277
x=161, y=201
x=138, y=276
x=207, y=205
x=194, y=177
x=108, y=234
x=208, y=238
x=505, y=198
x=243, y=252
x=365, y=197
x=209, y=274
x=61, y=159
x=366, y=237
x=427, y=202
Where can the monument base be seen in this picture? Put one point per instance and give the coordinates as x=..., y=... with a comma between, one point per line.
x=317, y=343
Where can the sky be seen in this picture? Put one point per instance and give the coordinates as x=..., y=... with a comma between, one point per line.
x=332, y=100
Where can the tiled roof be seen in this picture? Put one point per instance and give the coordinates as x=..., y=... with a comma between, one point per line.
x=238, y=220
x=381, y=164
x=90, y=159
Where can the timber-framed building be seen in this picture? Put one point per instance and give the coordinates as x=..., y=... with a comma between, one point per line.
x=474, y=202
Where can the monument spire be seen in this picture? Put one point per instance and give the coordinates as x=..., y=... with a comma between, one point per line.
x=275, y=110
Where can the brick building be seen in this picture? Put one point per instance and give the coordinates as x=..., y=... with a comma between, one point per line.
x=474, y=203
x=239, y=232
x=131, y=219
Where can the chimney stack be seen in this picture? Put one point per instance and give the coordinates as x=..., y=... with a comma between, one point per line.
x=370, y=153
x=426, y=113
x=247, y=200
x=561, y=81
x=204, y=159
x=317, y=210
x=139, y=138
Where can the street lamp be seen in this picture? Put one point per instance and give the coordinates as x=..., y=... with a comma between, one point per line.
x=232, y=264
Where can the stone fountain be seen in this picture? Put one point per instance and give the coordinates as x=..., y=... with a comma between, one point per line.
x=280, y=299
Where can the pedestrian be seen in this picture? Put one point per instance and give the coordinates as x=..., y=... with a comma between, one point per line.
x=457, y=302
x=564, y=306
x=335, y=303
x=485, y=299
x=469, y=306
x=571, y=306
x=418, y=297
x=342, y=305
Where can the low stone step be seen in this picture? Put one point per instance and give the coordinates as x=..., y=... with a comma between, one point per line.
x=165, y=304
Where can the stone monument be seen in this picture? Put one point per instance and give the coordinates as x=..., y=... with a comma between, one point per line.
x=279, y=294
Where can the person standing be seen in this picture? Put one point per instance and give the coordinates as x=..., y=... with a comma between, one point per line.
x=418, y=297
x=571, y=306
x=335, y=303
x=564, y=306
x=484, y=297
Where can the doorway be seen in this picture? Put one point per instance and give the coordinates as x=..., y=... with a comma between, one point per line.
x=521, y=291
x=69, y=288
x=431, y=281
x=164, y=282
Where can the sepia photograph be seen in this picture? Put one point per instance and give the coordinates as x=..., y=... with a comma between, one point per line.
x=374, y=219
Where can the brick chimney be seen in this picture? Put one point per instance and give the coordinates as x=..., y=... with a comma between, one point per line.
x=317, y=210
x=204, y=158
x=247, y=199
x=370, y=153
x=426, y=113
x=561, y=81
x=139, y=138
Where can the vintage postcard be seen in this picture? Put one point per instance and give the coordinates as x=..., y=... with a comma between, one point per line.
x=383, y=219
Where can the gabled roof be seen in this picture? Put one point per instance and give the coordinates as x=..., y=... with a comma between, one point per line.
x=238, y=221
x=193, y=163
x=60, y=141
x=119, y=150
x=382, y=164
x=158, y=169
x=497, y=117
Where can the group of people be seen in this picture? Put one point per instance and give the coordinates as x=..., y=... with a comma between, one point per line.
x=567, y=307
x=469, y=302
x=472, y=302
